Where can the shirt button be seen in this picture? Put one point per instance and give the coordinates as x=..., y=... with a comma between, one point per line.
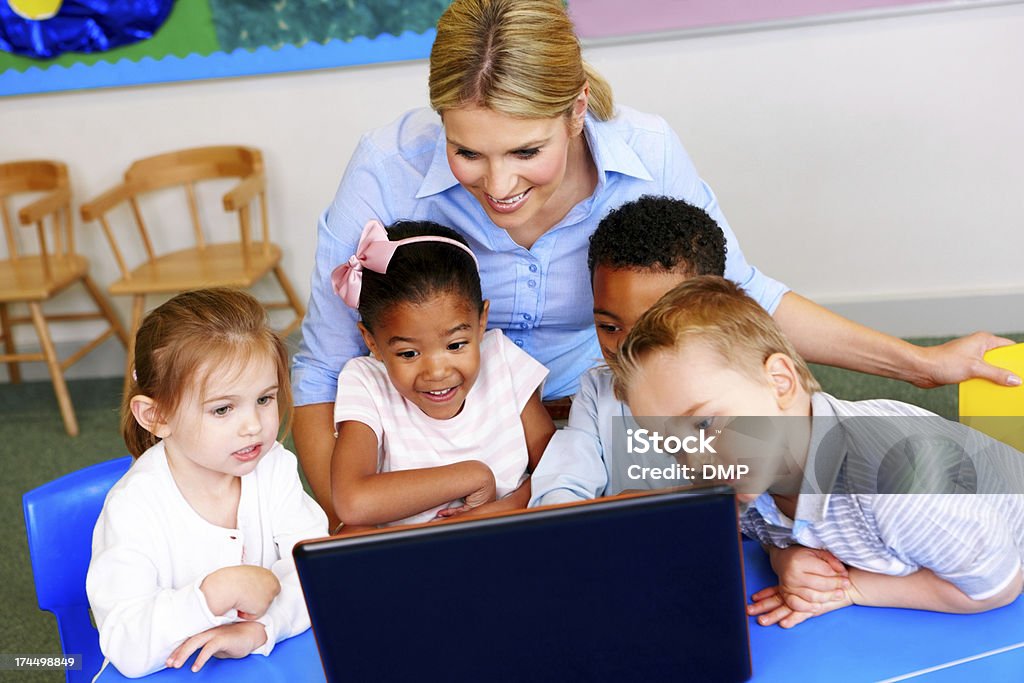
x=519, y=343
x=532, y=283
x=533, y=267
x=527, y=316
x=523, y=326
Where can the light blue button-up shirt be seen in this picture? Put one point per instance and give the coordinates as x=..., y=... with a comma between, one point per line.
x=540, y=297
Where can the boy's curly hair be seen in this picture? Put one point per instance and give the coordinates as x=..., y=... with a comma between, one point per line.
x=658, y=233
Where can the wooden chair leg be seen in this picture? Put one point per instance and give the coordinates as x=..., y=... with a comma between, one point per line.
x=67, y=411
x=293, y=300
x=13, y=369
x=106, y=309
x=138, y=310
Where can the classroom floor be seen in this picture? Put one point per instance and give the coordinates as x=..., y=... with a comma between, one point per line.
x=34, y=449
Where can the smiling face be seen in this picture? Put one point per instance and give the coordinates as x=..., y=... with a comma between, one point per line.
x=225, y=428
x=516, y=168
x=621, y=297
x=431, y=351
x=692, y=388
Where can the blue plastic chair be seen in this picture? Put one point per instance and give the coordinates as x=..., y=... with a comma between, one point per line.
x=59, y=519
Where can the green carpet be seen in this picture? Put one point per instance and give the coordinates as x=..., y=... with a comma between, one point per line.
x=35, y=450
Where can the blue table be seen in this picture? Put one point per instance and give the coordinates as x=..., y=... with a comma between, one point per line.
x=293, y=661
x=853, y=644
x=874, y=644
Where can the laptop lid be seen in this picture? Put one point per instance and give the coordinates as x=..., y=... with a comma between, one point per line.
x=632, y=587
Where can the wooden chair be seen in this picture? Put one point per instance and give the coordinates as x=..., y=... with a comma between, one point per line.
x=34, y=276
x=231, y=264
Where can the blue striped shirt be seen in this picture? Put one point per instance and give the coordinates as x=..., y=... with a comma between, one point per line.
x=540, y=297
x=966, y=524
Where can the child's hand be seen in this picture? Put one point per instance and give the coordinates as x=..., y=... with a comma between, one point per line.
x=516, y=500
x=246, y=588
x=770, y=608
x=486, y=491
x=808, y=577
x=449, y=512
x=228, y=641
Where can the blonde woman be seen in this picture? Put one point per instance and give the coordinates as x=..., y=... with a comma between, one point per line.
x=523, y=151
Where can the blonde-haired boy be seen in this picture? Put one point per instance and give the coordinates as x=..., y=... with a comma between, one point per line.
x=888, y=488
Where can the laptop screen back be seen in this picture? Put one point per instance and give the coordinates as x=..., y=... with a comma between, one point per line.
x=649, y=586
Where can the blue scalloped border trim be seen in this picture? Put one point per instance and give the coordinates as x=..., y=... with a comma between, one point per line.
x=240, y=62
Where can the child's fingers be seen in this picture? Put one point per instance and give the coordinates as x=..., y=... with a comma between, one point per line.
x=173, y=660
x=820, y=584
x=821, y=590
x=799, y=604
x=822, y=567
x=185, y=650
x=833, y=563
x=794, y=618
x=769, y=604
x=820, y=563
x=209, y=649
x=775, y=616
x=764, y=593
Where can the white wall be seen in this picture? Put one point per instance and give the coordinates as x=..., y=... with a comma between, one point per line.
x=858, y=162
x=868, y=164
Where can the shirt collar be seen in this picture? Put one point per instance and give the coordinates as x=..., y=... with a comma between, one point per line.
x=610, y=152
x=439, y=176
x=826, y=454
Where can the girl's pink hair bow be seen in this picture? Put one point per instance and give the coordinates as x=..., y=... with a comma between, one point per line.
x=375, y=251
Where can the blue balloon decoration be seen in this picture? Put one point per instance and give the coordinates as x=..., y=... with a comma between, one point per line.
x=81, y=26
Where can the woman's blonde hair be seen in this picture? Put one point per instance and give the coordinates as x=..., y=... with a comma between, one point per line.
x=188, y=339
x=516, y=57
x=716, y=312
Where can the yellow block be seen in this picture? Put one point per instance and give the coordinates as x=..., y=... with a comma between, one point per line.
x=994, y=409
x=36, y=10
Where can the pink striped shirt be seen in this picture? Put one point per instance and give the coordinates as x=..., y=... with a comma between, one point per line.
x=488, y=428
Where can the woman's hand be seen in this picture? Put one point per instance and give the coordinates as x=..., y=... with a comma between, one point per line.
x=228, y=641
x=821, y=336
x=962, y=359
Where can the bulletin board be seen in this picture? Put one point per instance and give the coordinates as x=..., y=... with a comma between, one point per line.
x=223, y=38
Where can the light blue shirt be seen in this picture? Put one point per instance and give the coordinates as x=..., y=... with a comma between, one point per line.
x=540, y=297
x=588, y=457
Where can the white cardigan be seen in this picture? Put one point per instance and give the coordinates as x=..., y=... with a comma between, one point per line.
x=151, y=551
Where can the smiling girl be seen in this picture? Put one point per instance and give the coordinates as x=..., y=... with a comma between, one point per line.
x=193, y=548
x=445, y=417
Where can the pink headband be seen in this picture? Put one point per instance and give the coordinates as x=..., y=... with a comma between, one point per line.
x=375, y=251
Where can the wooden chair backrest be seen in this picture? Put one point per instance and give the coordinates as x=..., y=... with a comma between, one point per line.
x=19, y=177
x=192, y=165
x=186, y=168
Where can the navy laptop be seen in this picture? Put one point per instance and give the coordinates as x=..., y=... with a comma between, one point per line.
x=645, y=587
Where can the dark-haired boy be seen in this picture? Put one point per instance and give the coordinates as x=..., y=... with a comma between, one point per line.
x=638, y=252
